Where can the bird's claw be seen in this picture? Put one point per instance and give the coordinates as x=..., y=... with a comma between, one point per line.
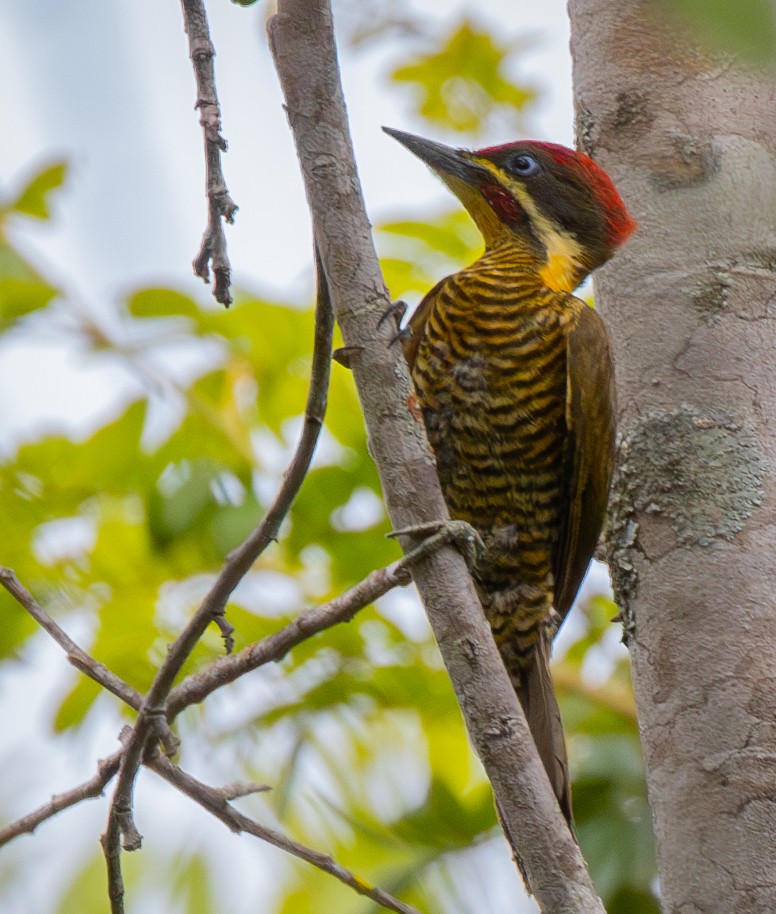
x=395, y=312
x=434, y=534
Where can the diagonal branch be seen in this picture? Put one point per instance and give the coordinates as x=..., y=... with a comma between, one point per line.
x=94, y=787
x=75, y=655
x=220, y=204
x=151, y=722
x=216, y=802
x=342, y=608
x=302, y=42
x=196, y=687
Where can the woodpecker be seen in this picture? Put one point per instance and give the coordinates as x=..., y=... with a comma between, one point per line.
x=513, y=375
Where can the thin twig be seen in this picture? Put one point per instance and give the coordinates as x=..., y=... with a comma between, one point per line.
x=94, y=787
x=216, y=802
x=79, y=658
x=152, y=717
x=110, y=847
x=196, y=687
x=342, y=608
x=75, y=655
x=220, y=204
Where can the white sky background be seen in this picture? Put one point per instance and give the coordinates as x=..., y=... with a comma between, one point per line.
x=109, y=86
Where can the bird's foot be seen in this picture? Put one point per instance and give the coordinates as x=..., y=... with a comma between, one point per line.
x=395, y=312
x=438, y=533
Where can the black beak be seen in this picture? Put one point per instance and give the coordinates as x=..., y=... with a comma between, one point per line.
x=441, y=159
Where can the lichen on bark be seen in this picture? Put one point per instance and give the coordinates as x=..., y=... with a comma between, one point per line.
x=699, y=472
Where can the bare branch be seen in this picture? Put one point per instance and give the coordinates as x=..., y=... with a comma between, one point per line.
x=94, y=787
x=75, y=655
x=303, y=46
x=151, y=722
x=234, y=791
x=220, y=204
x=110, y=846
x=221, y=672
x=275, y=646
x=79, y=658
x=217, y=802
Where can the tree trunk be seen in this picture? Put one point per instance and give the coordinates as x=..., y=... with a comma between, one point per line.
x=691, y=141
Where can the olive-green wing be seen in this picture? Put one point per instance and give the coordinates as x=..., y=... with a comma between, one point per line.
x=589, y=452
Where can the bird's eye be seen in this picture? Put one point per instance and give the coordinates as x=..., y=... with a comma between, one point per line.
x=524, y=165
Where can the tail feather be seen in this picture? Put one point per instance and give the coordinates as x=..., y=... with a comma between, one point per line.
x=533, y=685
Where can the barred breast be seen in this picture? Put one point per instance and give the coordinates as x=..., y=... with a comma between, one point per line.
x=490, y=374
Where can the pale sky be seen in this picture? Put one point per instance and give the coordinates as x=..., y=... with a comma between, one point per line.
x=109, y=87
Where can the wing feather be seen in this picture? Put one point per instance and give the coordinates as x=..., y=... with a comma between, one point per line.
x=589, y=457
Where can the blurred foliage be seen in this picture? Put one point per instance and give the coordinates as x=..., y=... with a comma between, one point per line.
x=357, y=730
x=462, y=83
x=746, y=28
x=22, y=288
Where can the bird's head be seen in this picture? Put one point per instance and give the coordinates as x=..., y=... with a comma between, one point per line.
x=553, y=199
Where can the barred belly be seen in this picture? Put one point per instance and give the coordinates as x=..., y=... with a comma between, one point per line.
x=490, y=375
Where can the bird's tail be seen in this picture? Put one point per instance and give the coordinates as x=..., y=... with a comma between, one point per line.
x=533, y=685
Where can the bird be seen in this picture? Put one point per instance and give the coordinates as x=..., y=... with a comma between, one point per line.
x=513, y=376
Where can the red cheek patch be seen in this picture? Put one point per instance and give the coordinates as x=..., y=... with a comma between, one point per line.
x=502, y=203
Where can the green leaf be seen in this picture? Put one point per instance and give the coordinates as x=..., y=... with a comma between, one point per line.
x=128, y=630
x=109, y=461
x=743, y=27
x=628, y=900
x=185, y=501
x=404, y=276
x=86, y=892
x=74, y=708
x=22, y=289
x=213, y=428
x=462, y=85
x=34, y=198
x=345, y=421
x=452, y=234
x=231, y=524
x=276, y=342
x=162, y=302
x=612, y=815
x=447, y=822
x=420, y=252
x=353, y=553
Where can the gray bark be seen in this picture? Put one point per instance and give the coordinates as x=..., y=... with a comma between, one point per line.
x=303, y=47
x=690, y=140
